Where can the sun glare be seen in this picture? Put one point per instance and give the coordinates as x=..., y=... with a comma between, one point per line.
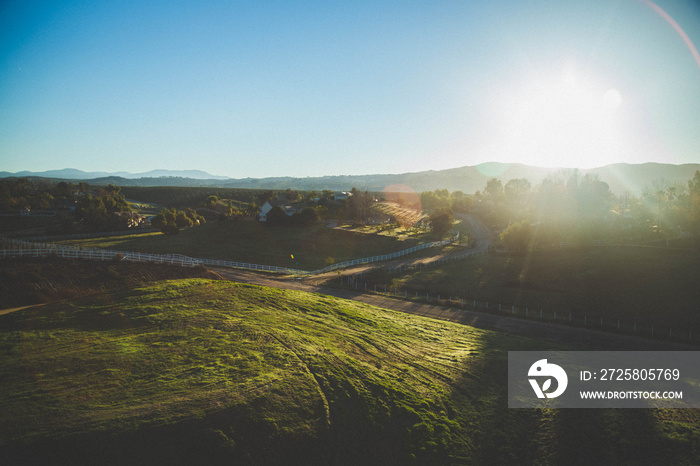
x=563, y=120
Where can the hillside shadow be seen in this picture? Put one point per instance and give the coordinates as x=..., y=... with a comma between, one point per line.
x=503, y=435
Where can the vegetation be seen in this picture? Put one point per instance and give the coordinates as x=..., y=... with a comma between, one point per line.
x=441, y=221
x=76, y=208
x=255, y=242
x=440, y=199
x=571, y=207
x=175, y=197
x=202, y=371
x=29, y=281
x=171, y=221
x=650, y=284
x=517, y=236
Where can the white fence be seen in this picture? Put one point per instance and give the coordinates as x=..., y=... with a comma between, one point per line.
x=30, y=249
x=97, y=254
x=384, y=257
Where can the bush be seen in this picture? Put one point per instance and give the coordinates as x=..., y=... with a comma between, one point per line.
x=170, y=229
x=517, y=236
x=276, y=216
x=306, y=217
x=441, y=221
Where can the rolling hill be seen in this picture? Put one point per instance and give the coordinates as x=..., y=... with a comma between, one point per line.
x=75, y=174
x=623, y=178
x=211, y=372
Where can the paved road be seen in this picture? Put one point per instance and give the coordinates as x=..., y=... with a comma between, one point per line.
x=573, y=337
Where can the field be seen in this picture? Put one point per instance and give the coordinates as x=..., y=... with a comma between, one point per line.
x=306, y=248
x=211, y=372
x=28, y=281
x=634, y=283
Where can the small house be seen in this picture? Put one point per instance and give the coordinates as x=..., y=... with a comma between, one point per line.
x=268, y=205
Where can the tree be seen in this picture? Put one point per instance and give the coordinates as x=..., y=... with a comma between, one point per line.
x=460, y=202
x=494, y=190
x=182, y=220
x=322, y=212
x=170, y=229
x=517, y=236
x=358, y=205
x=170, y=221
x=517, y=191
x=432, y=201
x=277, y=216
x=306, y=217
x=196, y=218
x=292, y=195
x=694, y=203
x=441, y=221
x=211, y=201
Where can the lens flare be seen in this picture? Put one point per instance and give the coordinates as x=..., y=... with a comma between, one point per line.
x=677, y=27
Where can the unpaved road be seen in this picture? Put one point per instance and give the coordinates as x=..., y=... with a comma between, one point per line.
x=483, y=239
x=572, y=337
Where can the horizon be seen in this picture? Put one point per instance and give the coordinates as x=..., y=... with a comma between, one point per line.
x=217, y=176
x=268, y=90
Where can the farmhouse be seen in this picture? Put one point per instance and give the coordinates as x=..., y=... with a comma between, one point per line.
x=341, y=195
x=268, y=205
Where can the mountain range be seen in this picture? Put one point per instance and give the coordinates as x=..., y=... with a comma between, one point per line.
x=622, y=178
x=75, y=174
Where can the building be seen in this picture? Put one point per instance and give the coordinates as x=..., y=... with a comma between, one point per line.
x=268, y=205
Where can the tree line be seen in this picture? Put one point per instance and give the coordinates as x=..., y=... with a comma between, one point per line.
x=566, y=206
x=78, y=207
x=574, y=208
x=170, y=221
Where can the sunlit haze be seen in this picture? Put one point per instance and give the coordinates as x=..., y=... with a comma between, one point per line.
x=257, y=89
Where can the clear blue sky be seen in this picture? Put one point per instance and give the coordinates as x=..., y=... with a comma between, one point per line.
x=265, y=88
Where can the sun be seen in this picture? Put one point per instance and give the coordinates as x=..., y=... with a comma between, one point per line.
x=564, y=119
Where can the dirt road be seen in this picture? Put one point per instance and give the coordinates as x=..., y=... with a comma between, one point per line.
x=572, y=337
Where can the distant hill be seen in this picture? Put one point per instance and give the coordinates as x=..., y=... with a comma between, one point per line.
x=75, y=174
x=622, y=178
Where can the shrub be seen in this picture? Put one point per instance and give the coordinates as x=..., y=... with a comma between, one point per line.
x=517, y=236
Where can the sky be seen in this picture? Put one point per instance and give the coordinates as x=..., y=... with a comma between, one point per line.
x=289, y=88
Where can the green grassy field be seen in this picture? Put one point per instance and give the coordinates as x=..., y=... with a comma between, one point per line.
x=210, y=372
x=635, y=283
x=256, y=243
x=25, y=281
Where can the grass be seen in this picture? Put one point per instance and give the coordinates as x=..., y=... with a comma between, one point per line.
x=252, y=242
x=202, y=371
x=635, y=283
x=25, y=281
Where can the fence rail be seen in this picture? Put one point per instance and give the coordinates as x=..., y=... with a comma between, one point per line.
x=592, y=320
x=32, y=249
x=385, y=257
